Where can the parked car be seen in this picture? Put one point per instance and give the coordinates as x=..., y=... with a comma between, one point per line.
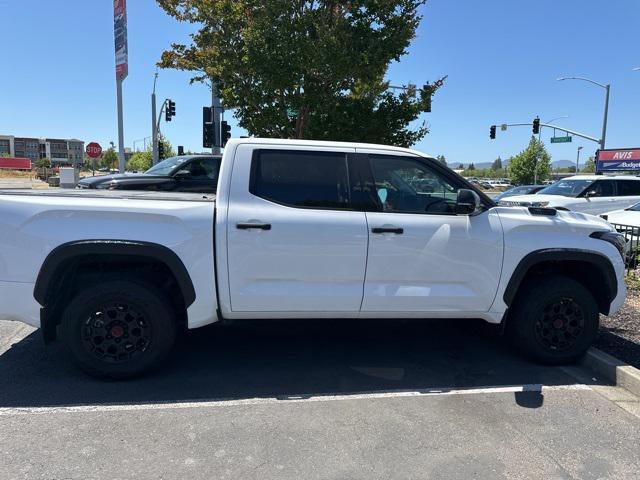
x=594, y=194
x=627, y=222
x=521, y=190
x=187, y=173
x=300, y=229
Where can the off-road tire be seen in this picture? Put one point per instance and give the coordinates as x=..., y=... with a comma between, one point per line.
x=119, y=329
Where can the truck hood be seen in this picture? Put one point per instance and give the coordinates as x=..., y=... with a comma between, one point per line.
x=563, y=221
x=533, y=200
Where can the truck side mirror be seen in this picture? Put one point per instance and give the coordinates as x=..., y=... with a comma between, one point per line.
x=467, y=202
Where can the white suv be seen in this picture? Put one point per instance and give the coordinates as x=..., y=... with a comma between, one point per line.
x=594, y=194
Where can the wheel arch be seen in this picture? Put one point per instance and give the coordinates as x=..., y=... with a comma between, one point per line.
x=592, y=269
x=59, y=268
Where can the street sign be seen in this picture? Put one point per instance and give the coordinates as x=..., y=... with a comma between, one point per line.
x=618, y=159
x=94, y=150
x=561, y=139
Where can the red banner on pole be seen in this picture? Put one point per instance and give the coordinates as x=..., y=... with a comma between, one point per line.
x=15, y=163
x=120, y=37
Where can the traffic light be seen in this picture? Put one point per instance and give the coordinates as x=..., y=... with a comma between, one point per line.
x=225, y=133
x=536, y=126
x=427, y=91
x=492, y=132
x=180, y=150
x=170, y=111
x=208, y=138
x=161, y=150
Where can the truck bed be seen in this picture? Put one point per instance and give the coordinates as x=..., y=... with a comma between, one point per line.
x=113, y=194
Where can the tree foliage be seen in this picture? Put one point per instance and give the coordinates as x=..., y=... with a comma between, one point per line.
x=590, y=166
x=167, y=150
x=471, y=167
x=109, y=158
x=523, y=166
x=485, y=173
x=43, y=163
x=140, y=161
x=306, y=69
x=441, y=159
x=497, y=164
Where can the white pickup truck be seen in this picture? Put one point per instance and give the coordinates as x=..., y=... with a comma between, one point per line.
x=300, y=229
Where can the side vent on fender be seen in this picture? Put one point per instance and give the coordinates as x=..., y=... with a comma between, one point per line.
x=547, y=212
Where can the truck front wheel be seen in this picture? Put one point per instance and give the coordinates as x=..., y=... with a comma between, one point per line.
x=554, y=320
x=119, y=329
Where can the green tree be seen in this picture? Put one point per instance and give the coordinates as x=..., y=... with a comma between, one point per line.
x=441, y=159
x=306, y=69
x=109, y=158
x=43, y=163
x=590, y=166
x=140, y=161
x=523, y=166
x=471, y=167
x=167, y=149
x=497, y=164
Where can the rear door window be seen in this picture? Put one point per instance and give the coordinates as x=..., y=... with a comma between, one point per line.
x=302, y=179
x=627, y=188
x=603, y=188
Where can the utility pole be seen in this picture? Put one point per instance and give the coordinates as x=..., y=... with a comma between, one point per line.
x=154, y=130
x=216, y=113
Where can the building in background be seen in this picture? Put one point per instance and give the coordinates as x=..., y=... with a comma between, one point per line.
x=59, y=151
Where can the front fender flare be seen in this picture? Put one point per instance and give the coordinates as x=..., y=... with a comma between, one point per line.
x=610, y=284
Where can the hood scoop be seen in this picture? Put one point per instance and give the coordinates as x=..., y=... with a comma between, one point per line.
x=544, y=211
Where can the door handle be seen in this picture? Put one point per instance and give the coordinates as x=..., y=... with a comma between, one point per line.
x=249, y=226
x=396, y=230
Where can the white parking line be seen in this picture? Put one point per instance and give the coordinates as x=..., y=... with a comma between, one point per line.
x=284, y=399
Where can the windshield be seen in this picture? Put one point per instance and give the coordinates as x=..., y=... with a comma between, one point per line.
x=566, y=188
x=634, y=208
x=167, y=166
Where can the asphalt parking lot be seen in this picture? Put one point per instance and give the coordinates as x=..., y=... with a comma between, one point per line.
x=330, y=400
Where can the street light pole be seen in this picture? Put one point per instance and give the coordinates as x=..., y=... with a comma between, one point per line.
x=607, y=89
x=154, y=129
x=606, y=114
x=578, y=160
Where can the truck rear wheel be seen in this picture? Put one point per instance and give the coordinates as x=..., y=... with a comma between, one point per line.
x=119, y=329
x=554, y=320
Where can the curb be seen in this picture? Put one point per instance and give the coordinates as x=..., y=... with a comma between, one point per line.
x=614, y=370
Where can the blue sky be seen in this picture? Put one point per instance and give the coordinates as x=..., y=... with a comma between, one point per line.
x=502, y=58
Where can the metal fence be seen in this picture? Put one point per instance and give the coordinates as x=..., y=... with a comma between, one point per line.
x=632, y=237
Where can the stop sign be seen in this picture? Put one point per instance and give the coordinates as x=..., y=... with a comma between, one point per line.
x=94, y=150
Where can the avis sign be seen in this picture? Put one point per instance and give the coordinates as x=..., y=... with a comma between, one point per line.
x=618, y=159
